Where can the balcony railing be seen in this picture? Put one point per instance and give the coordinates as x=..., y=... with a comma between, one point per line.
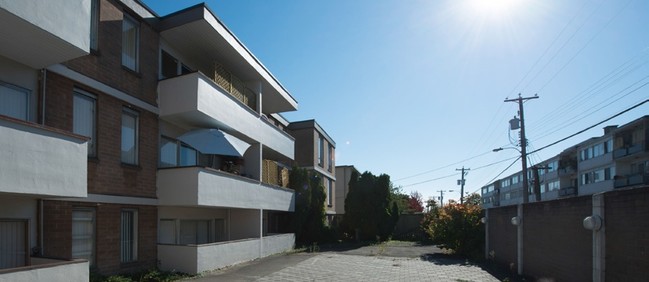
x=566, y=171
x=234, y=86
x=567, y=191
x=634, y=179
x=627, y=151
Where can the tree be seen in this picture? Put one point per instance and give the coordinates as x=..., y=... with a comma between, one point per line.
x=457, y=226
x=415, y=202
x=309, y=215
x=370, y=206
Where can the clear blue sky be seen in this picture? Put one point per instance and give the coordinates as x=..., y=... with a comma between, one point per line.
x=417, y=87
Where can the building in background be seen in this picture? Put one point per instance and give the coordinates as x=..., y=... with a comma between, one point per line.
x=344, y=174
x=315, y=151
x=617, y=159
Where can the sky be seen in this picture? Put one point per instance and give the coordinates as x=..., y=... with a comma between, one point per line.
x=415, y=88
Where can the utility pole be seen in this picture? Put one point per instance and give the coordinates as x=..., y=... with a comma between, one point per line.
x=461, y=182
x=519, y=208
x=441, y=196
x=520, y=101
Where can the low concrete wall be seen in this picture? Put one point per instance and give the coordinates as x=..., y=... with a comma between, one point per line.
x=48, y=270
x=198, y=258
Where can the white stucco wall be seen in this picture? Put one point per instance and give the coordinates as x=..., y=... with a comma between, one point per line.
x=196, y=259
x=206, y=103
x=195, y=186
x=69, y=272
x=40, y=162
x=62, y=26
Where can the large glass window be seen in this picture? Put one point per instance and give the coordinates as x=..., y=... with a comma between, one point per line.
x=130, y=42
x=83, y=234
x=14, y=101
x=194, y=231
x=168, y=65
x=168, y=152
x=84, y=119
x=320, y=151
x=329, y=192
x=128, y=236
x=129, y=136
x=13, y=243
x=331, y=158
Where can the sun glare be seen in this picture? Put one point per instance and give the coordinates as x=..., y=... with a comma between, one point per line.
x=492, y=8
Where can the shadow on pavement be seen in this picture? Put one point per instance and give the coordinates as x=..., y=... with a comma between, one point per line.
x=500, y=272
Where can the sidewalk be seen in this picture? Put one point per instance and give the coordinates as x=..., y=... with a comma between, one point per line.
x=394, y=261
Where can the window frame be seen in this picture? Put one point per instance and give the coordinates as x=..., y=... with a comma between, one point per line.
x=136, y=115
x=28, y=98
x=128, y=19
x=92, y=143
x=124, y=246
x=93, y=256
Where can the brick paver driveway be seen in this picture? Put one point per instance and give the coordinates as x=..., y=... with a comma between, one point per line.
x=394, y=261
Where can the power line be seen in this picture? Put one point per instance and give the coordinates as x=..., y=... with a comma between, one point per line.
x=443, y=167
x=498, y=175
x=447, y=176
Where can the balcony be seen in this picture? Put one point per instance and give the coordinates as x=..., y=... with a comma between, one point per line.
x=41, y=161
x=567, y=191
x=194, y=259
x=198, y=186
x=195, y=100
x=628, y=151
x=630, y=180
x=61, y=28
x=43, y=269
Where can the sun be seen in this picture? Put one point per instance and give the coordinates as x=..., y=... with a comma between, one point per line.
x=492, y=8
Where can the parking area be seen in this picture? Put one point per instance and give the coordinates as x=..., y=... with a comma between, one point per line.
x=391, y=261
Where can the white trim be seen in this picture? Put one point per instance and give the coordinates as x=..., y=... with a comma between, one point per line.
x=322, y=171
x=65, y=71
x=138, y=9
x=109, y=199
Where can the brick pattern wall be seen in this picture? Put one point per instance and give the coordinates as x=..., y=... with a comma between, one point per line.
x=106, y=173
x=627, y=235
x=556, y=245
x=106, y=64
x=502, y=235
x=58, y=235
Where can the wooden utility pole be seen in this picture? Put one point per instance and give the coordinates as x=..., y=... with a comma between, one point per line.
x=461, y=182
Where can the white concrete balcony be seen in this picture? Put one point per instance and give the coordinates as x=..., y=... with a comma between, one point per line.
x=194, y=100
x=42, y=33
x=43, y=269
x=198, y=186
x=194, y=259
x=40, y=161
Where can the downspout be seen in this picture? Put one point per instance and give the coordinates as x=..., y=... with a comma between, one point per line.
x=43, y=91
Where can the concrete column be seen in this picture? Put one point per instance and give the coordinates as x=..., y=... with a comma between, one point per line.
x=261, y=233
x=599, y=239
x=519, y=238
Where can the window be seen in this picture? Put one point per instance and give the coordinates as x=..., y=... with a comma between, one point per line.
x=129, y=136
x=13, y=243
x=320, y=151
x=167, y=231
x=554, y=185
x=83, y=234
x=84, y=119
x=14, y=101
x=128, y=236
x=130, y=42
x=94, y=24
x=505, y=182
x=329, y=192
x=174, y=153
x=331, y=157
x=553, y=166
x=194, y=232
x=515, y=179
x=168, y=65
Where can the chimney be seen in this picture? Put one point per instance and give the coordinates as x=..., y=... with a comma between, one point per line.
x=609, y=129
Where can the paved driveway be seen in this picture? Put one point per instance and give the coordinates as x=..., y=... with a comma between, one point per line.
x=392, y=261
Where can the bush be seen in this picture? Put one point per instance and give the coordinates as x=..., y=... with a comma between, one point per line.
x=457, y=227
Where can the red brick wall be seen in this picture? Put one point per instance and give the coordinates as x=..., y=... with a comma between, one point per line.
x=556, y=245
x=106, y=173
x=627, y=235
x=502, y=235
x=58, y=235
x=106, y=64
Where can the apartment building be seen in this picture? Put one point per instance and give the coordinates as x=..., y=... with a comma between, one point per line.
x=315, y=151
x=223, y=153
x=617, y=159
x=37, y=161
x=344, y=174
x=134, y=141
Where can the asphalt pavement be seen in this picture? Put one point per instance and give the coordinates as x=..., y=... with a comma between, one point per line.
x=389, y=261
